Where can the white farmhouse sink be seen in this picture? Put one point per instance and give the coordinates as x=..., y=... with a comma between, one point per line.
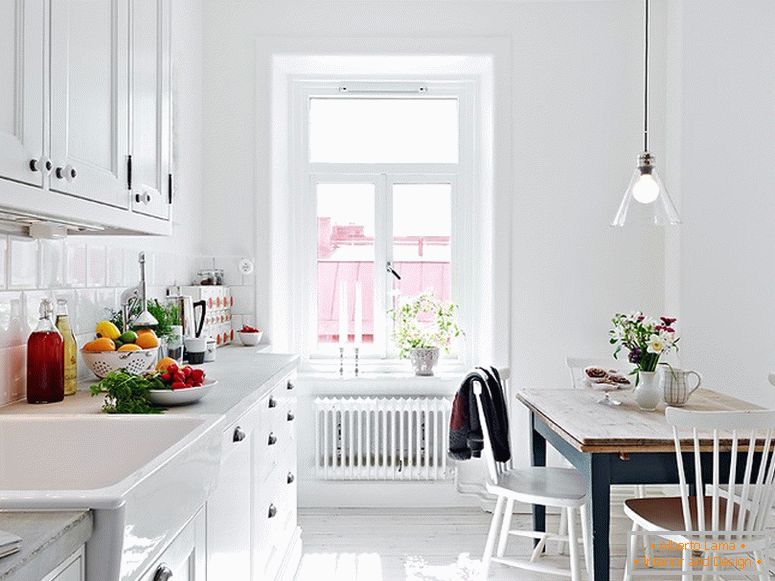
x=144, y=477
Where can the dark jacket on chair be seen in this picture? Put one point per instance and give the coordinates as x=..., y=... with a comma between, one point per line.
x=465, y=432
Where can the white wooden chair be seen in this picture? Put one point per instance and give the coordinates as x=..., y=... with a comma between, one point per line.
x=562, y=488
x=711, y=511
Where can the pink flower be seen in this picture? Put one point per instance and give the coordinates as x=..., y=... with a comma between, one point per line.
x=668, y=321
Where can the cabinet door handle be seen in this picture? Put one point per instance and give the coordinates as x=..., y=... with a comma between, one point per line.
x=239, y=434
x=272, y=402
x=291, y=478
x=162, y=573
x=144, y=198
x=272, y=439
x=68, y=173
x=34, y=165
x=291, y=417
x=272, y=511
x=291, y=385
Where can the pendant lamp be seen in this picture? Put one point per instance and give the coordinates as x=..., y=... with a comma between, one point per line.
x=646, y=195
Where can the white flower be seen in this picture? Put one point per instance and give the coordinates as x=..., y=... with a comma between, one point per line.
x=656, y=344
x=617, y=333
x=668, y=339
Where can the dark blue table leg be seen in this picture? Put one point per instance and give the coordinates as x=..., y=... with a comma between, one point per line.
x=538, y=458
x=599, y=506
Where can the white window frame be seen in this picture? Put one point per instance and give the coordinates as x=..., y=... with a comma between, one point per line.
x=305, y=175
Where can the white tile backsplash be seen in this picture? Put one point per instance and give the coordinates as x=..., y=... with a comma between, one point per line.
x=52, y=263
x=96, y=272
x=75, y=264
x=23, y=272
x=90, y=274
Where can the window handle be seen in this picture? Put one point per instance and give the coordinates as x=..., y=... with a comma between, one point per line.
x=391, y=270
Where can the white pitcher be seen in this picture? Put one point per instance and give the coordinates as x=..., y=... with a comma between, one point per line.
x=675, y=385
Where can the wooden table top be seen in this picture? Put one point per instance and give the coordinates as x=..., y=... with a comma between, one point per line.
x=577, y=416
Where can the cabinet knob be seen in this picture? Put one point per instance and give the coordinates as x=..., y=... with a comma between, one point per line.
x=143, y=198
x=291, y=478
x=291, y=385
x=162, y=573
x=291, y=417
x=239, y=434
x=47, y=165
x=272, y=439
x=272, y=402
x=68, y=173
x=34, y=165
x=272, y=511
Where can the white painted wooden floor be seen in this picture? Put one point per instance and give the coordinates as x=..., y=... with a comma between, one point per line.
x=417, y=545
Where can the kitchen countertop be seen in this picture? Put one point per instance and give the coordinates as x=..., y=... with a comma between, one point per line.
x=243, y=375
x=48, y=538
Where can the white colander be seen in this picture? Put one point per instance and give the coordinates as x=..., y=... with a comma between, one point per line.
x=136, y=362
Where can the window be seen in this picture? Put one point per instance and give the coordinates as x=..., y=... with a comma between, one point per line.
x=383, y=175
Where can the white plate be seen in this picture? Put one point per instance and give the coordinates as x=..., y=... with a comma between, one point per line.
x=169, y=397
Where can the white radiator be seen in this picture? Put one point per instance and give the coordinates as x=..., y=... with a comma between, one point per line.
x=381, y=438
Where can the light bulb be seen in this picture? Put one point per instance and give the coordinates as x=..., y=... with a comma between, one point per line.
x=646, y=189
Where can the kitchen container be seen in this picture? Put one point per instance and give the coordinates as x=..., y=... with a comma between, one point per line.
x=210, y=350
x=209, y=277
x=195, y=349
x=250, y=339
x=137, y=362
x=45, y=360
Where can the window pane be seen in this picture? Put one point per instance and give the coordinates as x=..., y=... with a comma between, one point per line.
x=345, y=256
x=422, y=226
x=347, y=130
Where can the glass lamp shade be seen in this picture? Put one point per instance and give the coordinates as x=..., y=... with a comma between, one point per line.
x=646, y=200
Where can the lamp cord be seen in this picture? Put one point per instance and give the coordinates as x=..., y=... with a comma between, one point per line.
x=646, y=18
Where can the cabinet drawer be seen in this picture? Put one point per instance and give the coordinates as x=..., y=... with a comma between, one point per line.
x=184, y=558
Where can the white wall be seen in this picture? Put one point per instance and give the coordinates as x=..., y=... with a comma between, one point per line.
x=727, y=154
x=575, y=103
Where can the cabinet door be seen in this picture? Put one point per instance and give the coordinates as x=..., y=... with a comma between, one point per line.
x=89, y=106
x=229, y=507
x=185, y=557
x=150, y=98
x=21, y=90
x=72, y=569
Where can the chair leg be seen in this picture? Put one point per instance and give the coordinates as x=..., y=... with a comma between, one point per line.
x=490, y=544
x=562, y=532
x=573, y=545
x=763, y=567
x=686, y=567
x=640, y=491
x=632, y=554
x=505, y=527
x=586, y=539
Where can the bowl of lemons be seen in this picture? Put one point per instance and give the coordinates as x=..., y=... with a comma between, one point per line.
x=133, y=351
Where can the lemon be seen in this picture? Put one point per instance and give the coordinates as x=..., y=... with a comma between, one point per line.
x=108, y=330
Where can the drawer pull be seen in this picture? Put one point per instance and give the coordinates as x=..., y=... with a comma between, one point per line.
x=291, y=417
x=291, y=385
x=239, y=434
x=272, y=511
x=291, y=478
x=272, y=439
x=272, y=402
x=162, y=573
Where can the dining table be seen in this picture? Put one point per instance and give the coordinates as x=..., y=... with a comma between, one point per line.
x=613, y=444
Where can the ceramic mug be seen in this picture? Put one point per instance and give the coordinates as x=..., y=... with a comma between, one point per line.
x=675, y=385
x=195, y=349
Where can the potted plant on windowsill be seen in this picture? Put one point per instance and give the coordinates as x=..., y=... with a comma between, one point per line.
x=423, y=326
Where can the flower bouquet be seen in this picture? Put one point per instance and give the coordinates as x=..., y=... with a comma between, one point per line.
x=646, y=340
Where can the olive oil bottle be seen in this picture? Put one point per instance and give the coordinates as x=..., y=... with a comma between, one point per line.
x=71, y=347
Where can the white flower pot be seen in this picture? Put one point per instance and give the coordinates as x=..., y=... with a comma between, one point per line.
x=647, y=394
x=423, y=360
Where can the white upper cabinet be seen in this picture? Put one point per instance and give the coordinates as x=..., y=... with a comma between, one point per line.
x=89, y=99
x=150, y=89
x=22, y=26
x=85, y=110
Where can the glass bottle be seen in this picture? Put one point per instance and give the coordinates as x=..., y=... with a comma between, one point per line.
x=70, y=346
x=45, y=360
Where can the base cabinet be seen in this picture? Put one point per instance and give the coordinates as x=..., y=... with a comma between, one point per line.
x=72, y=569
x=252, y=528
x=184, y=559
